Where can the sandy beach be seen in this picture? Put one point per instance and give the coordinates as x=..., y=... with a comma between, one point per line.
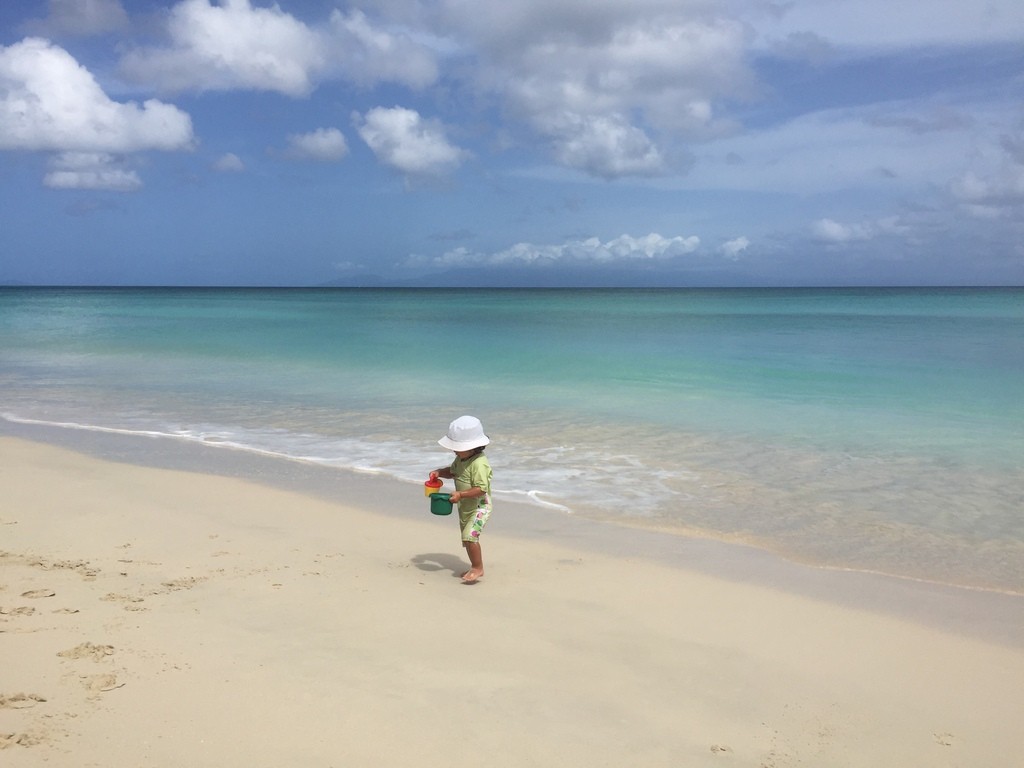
x=155, y=617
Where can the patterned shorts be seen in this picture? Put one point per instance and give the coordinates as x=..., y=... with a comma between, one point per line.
x=473, y=522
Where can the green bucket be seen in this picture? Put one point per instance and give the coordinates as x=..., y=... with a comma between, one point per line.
x=440, y=503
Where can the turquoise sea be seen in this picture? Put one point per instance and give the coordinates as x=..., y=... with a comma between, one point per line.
x=869, y=429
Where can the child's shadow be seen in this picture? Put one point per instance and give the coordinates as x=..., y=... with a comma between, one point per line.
x=434, y=561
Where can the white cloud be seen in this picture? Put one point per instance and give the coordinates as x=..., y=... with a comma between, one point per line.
x=624, y=248
x=237, y=46
x=733, y=248
x=995, y=185
x=894, y=225
x=670, y=68
x=48, y=101
x=614, y=87
x=231, y=46
x=835, y=231
x=367, y=55
x=323, y=145
x=81, y=18
x=652, y=246
x=661, y=72
x=90, y=170
x=401, y=138
x=605, y=146
x=229, y=163
x=993, y=195
x=832, y=231
x=506, y=27
x=909, y=227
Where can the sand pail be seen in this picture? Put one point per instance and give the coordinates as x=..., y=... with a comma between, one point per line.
x=432, y=486
x=440, y=503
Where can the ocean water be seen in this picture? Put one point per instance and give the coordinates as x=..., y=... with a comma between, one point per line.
x=869, y=429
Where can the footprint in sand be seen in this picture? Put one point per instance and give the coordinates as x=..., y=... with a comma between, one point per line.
x=88, y=651
x=101, y=683
x=79, y=566
x=24, y=610
x=131, y=603
x=33, y=593
x=186, y=582
x=17, y=740
x=20, y=700
x=114, y=597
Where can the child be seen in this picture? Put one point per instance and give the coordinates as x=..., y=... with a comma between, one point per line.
x=472, y=474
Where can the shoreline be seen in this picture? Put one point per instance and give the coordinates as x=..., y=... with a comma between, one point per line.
x=988, y=614
x=923, y=567
x=162, y=615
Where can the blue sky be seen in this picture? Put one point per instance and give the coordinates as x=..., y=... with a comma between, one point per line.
x=512, y=142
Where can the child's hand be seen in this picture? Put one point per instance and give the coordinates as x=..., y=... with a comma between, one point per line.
x=433, y=475
x=454, y=498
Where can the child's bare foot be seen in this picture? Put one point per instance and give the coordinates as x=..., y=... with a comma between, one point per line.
x=472, y=576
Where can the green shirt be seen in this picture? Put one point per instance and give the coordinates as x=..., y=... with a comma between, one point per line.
x=474, y=472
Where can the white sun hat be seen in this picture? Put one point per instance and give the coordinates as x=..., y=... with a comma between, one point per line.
x=465, y=434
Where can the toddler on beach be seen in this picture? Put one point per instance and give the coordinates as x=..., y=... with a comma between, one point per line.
x=472, y=475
